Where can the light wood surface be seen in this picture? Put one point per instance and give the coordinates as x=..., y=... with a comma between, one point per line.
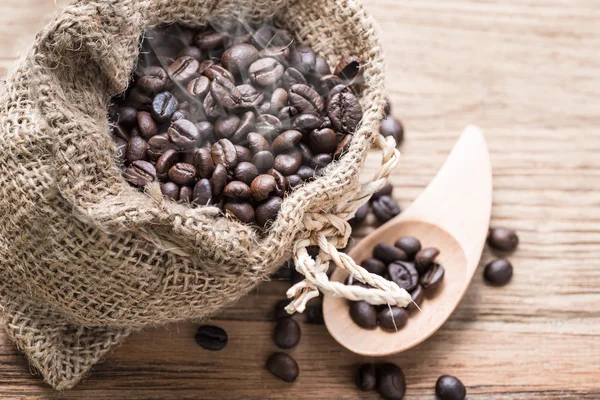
x=453, y=215
x=526, y=72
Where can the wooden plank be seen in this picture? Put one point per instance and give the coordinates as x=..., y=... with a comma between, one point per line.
x=527, y=73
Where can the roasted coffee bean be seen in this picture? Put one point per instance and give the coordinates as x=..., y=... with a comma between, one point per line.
x=225, y=92
x=306, y=99
x=361, y=215
x=265, y=72
x=450, y=387
x=410, y=245
x=262, y=186
x=191, y=51
x=245, y=172
x=120, y=132
x=292, y=181
x=282, y=37
x=199, y=87
x=366, y=378
x=182, y=173
x=391, y=384
x=237, y=190
x=163, y=106
x=165, y=163
x=183, y=69
x=388, y=253
x=306, y=172
x=205, y=130
x=498, y=272
x=425, y=258
x=263, y=160
x=286, y=114
x=140, y=173
x=392, y=318
x=212, y=108
x=307, y=154
x=209, y=40
x=170, y=190
x=363, y=314
x=279, y=99
x=279, y=181
x=245, y=126
x=385, y=208
x=241, y=210
x=235, y=40
x=320, y=161
x=264, y=108
x=238, y=58
x=349, y=69
x=283, y=367
x=502, y=239
x=136, y=149
x=323, y=140
x=121, y=153
x=384, y=191
x=154, y=80
x=417, y=297
x=157, y=145
x=286, y=141
x=303, y=58
x=218, y=180
x=390, y=126
x=374, y=266
x=215, y=71
x=226, y=126
x=345, y=112
x=137, y=98
x=343, y=146
x=268, y=210
x=211, y=337
x=404, y=275
x=279, y=53
x=184, y=134
x=314, y=314
x=307, y=122
x=328, y=82
x=321, y=67
x=202, y=194
x=343, y=88
x=258, y=143
x=146, y=125
x=180, y=114
x=185, y=194
x=268, y=126
x=204, y=163
x=287, y=333
x=292, y=77
x=250, y=99
x=244, y=153
x=280, y=311
x=288, y=163
x=262, y=36
x=432, y=277
x=126, y=116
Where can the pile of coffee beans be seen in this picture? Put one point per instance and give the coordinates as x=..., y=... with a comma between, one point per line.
x=499, y=272
x=411, y=267
x=382, y=204
x=233, y=116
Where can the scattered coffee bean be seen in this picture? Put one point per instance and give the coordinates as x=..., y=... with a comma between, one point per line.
x=384, y=191
x=450, y=387
x=410, y=245
x=314, y=314
x=211, y=337
x=283, y=367
x=287, y=333
x=432, y=277
x=366, y=377
x=280, y=311
x=390, y=126
x=502, y=239
x=363, y=314
x=498, y=272
x=388, y=253
x=361, y=215
x=392, y=318
x=385, y=208
x=391, y=384
x=425, y=258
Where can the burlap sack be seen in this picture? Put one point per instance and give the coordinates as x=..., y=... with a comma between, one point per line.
x=85, y=258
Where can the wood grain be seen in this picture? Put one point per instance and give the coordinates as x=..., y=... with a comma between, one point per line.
x=527, y=73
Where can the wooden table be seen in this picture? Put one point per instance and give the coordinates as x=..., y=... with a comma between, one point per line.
x=529, y=74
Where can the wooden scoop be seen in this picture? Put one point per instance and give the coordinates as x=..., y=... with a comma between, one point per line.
x=452, y=214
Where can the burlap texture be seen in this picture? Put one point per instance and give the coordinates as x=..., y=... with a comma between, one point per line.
x=84, y=257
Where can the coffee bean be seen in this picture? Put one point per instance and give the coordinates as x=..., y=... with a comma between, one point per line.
x=204, y=163
x=263, y=160
x=328, y=82
x=498, y=272
x=146, y=125
x=225, y=92
x=286, y=114
x=279, y=53
x=185, y=194
x=182, y=173
x=191, y=51
x=163, y=106
x=211, y=337
x=235, y=40
x=244, y=153
x=280, y=311
x=366, y=378
x=237, y=190
x=306, y=172
x=410, y=245
x=211, y=107
x=303, y=58
x=320, y=161
x=323, y=140
x=363, y=314
x=250, y=99
x=264, y=108
x=288, y=163
x=265, y=72
x=126, y=116
x=391, y=384
x=387, y=109
x=218, y=180
x=154, y=80
x=287, y=333
x=343, y=146
x=349, y=69
x=286, y=141
x=385, y=208
x=344, y=111
x=384, y=191
x=292, y=181
x=245, y=172
x=321, y=67
x=282, y=37
x=262, y=186
x=390, y=126
x=307, y=122
x=292, y=77
x=306, y=99
x=165, y=163
x=245, y=126
x=425, y=258
x=209, y=40
x=307, y=154
x=279, y=99
x=224, y=152
x=283, y=367
x=450, y=387
x=199, y=87
x=183, y=69
x=268, y=211
x=502, y=239
x=405, y=275
x=215, y=71
x=417, y=297
x=183, y=134
x=122, y=147
x=136, y=149
x=392, y=318
x=238, y=58
x=180, y=114
x=361, y=215
x=314, y=314
x=202, y=194
x=205, y=130
x=432, y=277
x=139, y=99
x=140, y=173
x=268, y=126
x=170, y=190
x=374, y=266
x=262, y=36
x=157, y=145
x=388, y=253
x=241, y=210
x=279, y=182
x=258, y=143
